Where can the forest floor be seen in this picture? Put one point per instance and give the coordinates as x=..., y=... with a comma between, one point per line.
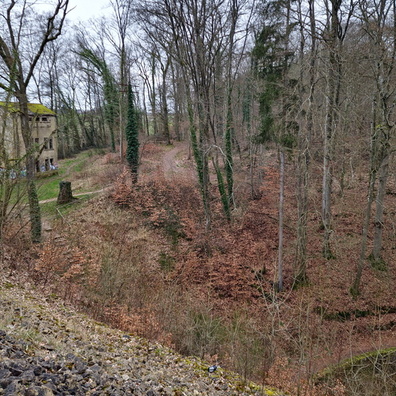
x=148, y=259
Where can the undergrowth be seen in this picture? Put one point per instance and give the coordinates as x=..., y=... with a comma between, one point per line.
x=139, y=259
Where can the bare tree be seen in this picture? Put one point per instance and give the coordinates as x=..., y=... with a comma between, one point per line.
x=164, y=98
x=305, y=131
x=381, y=33
x=17, y=71
x=201, y=38
x=122, y=18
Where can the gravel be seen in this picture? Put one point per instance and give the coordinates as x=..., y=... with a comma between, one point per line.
x=47, y=348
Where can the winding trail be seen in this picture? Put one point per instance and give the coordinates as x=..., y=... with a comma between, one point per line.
x=44, y=201
x=176, y=161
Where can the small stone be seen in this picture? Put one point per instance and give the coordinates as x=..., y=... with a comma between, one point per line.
x=27, y=377
x=4, y=373
x=95, y=367
x=32, y=391
x=38, y=370
x=14, y=388
x=4, y=382
x=45, y=391
x=70, y=357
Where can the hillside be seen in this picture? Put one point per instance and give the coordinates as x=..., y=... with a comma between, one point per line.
x=47, y=348
x=139, y=259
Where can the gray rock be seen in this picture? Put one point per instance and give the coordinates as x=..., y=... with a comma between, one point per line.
x=44, y=391
x=14, y=389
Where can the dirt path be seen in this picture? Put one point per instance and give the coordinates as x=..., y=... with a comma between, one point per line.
x=74, y=195
x=176, y=161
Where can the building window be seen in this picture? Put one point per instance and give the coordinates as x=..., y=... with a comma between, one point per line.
x=45, y=143
x=50, y=145
x=44, y=119
x=36, y=140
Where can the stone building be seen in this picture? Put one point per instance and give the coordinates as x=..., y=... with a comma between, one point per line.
x=43, y=133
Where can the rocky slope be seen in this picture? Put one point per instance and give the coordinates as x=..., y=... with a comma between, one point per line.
x=47, y=348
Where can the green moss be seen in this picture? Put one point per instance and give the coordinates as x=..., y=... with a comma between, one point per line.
x=343, y=316
x=159, y=352
x=271, y=392
x=35, y=108
x=378, y=264
x=355, y=363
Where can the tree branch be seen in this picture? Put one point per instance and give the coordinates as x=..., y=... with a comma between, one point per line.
x=51, y=33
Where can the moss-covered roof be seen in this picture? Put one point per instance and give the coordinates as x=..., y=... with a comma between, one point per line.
x=34, y=108
x=38, y=108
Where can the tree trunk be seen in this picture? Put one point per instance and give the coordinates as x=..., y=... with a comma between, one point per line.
x=34, y=212
x=300, y=275
x=326, y=198
x=123, y=88
x=303, y=142
x=164, y=102
x=355, y=289
x=222, y=190
x=34, y=207
x=379, y=212
x=200, y=160
x=65, y=193
x=376, y=22
x=280, y=227
x=177, y=100
x=153, y=96
x=229, y=163
x=332, y=105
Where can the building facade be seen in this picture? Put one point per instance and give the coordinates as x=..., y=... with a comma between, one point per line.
x=43, y=127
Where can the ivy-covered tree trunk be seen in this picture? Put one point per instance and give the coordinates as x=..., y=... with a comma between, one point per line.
x=222, y=190
x=34, y=207
x=230, y=133
x=110, y=94
x=200, y=158
x=132, y=136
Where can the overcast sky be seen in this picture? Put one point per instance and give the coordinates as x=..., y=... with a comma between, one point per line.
x=79, y=10
x=85, y=9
